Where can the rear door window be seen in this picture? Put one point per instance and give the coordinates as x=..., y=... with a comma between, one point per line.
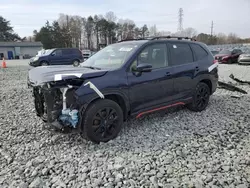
x=67, y=51
x=181, y=53
x=199, y=51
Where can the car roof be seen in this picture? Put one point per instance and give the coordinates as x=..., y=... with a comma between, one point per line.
x=65, y=48
x=160, y=39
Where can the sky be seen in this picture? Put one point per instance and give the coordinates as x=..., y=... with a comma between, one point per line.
x=227, y=15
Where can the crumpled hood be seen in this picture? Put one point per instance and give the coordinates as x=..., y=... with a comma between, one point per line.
x=43, y=74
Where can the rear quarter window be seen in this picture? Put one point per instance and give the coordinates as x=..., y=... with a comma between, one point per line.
x=200, y=52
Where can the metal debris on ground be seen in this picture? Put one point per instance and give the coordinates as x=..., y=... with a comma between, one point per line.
x=238, y=80
x=230, y=87
x=236, y=96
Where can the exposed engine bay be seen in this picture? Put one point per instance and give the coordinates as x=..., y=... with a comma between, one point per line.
x=54, y=92
x=57, y=105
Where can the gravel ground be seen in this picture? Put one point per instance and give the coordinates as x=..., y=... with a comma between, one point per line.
x=176, y=149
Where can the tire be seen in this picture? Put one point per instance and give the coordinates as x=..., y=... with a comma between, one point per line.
x=76, y=63
x=95, y=127
x=44, y=63
x=200, y=98
x=230, y=61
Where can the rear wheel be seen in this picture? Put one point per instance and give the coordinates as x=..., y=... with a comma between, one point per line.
x=76, y=63
x=200, y=97
x=102, y=121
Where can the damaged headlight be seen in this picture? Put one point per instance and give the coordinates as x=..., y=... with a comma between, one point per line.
x=35, y=58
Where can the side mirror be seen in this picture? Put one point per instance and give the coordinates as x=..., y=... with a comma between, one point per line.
x=53, y=54
x=144, y=67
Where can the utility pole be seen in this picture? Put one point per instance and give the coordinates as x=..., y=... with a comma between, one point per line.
x=180, y=20
x=212, y=28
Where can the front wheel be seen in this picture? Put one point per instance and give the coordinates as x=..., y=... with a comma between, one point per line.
x=230, y=61
x=44, y=63
x=200, y=98
x=102, y=121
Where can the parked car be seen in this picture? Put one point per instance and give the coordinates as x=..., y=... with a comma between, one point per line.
x=58, y=56
x=86, y=54
x=126, y=79
x=244, y=58
x=214, y=52
x=228, y=56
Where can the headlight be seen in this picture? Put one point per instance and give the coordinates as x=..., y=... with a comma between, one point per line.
x=35, y=58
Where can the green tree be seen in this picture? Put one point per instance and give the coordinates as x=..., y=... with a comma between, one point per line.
x=45, y=36
x=6, y=31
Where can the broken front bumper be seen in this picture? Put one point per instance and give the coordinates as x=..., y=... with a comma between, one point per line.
x=52, y=103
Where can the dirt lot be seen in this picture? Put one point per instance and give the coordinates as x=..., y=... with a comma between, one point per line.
x=179, y=148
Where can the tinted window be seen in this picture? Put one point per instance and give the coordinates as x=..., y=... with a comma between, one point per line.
x=155, y=54
x=67, y=51
x=76, y=51
x=199, y=52
x=58, y=52
x=180, y=53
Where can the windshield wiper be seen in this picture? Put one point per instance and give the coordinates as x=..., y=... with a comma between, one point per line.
x=91, y=67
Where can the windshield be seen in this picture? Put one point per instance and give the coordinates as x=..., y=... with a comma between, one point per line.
x=112, y=56
x=228, y=52
x=47, y=52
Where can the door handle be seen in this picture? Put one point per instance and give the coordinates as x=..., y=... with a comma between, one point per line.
x=197, y=68
x=168, y=74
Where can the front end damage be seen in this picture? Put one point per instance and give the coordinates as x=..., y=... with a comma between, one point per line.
x=54, y=91
x=56, y=104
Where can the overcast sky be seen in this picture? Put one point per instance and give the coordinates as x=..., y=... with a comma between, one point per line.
x=228, y=15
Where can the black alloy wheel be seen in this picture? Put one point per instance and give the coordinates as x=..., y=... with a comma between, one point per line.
x=105, y=122
x=102, y=121
x=200, y=98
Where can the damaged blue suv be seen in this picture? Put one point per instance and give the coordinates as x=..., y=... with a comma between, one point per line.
x=127, y=79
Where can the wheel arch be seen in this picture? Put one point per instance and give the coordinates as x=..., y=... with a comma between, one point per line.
x=44, y=61
x=76, y=59
x=209, y=83
x=118, y=98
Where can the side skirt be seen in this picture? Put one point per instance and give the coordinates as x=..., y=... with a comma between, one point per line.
x=161, y=107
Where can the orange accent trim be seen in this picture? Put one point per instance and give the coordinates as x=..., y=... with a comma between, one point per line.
x=161, y=108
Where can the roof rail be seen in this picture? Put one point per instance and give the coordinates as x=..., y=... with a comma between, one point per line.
x=170, y=37
x=147, y=38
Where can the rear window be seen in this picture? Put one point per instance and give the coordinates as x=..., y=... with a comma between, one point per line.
x=67, y=51
x=71, y=51
x=199, y=52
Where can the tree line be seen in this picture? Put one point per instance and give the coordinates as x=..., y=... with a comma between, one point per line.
x=100, y=30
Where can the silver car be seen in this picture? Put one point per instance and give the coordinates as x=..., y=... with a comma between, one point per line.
x=244, y=58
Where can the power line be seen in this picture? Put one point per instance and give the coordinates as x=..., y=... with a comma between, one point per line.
x=180, y=20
